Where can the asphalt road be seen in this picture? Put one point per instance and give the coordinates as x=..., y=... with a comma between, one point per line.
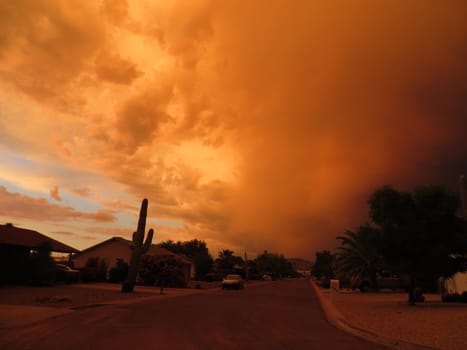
x=275, y=315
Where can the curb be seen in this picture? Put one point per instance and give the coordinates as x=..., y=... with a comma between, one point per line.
x=336, y=319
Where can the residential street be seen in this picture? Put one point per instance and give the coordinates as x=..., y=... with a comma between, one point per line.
x=276, y=315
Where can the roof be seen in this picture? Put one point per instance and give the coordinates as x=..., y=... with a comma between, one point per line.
x=112, y=239
x=12, y=235
x=155, y=249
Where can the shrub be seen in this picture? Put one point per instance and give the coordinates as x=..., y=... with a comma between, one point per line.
x=326, y=283
x=164, y=271
x=451, y=298
x=119, y=272
x=95, y=270
x=102, y=270
x=418, y=295
x=88, y=274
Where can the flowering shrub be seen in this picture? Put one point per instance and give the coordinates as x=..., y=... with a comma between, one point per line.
x=162, y=270
x=94, y=271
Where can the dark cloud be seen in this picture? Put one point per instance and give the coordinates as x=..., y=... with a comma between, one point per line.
x=115, y=69
x=115, y=10
x=141, y=116
x=321, y=102
x=335, y=100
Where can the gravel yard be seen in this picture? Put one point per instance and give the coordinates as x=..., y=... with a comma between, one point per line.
x=67, y=295
x=25, y=305
x=432, y=323
x=75, y=295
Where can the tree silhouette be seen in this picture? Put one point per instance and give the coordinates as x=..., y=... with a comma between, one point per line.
x=196, y=250
x=227, y=260
x=323, y=266
x=359, y=255
x=275, y=265
x=420, y=234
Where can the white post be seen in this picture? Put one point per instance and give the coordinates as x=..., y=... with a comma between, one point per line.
x=334, y=290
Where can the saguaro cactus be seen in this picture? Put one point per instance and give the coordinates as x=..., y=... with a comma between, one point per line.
x=139, y=248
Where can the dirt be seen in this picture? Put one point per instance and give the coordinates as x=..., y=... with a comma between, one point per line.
x=65, y=295
x=431, y=323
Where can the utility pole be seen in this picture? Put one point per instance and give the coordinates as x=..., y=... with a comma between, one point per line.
x=463, y=190
x=246, y=267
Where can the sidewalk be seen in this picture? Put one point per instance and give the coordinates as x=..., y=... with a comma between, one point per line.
x=387, y=319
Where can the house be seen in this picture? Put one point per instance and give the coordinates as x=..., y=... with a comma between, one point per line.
x=120, y=248
x=301, y=266
x=16, y=245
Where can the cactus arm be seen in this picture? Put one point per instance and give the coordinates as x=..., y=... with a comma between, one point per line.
x=148, y=242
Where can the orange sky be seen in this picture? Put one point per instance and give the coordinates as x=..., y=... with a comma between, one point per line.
x=250, y=125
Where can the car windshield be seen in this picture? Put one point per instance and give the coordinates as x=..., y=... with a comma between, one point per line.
x=233, y=277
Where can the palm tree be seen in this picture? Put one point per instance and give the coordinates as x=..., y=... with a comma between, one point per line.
x=227, y=260
x=359, y=256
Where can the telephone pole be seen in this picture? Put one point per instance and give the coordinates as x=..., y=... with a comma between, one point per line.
x=246, y=267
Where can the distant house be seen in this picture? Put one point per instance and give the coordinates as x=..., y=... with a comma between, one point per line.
x=120, y=248
x=16, y=245
x=301, y=266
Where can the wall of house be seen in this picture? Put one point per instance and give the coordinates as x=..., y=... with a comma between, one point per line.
x=110, y=252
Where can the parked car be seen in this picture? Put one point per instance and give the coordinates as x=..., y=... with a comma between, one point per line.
x=64, y=273
x=232, y=281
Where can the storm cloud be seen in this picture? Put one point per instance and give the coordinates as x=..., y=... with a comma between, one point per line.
x=258, y=125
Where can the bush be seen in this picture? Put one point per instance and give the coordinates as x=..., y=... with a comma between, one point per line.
x=164, y=271
x=345, y=282
x=325, y=283
x=88, y=274
x=451, y=298
x=418, y=295
x=119, y=272
x=95, y=270
x=455, y=298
